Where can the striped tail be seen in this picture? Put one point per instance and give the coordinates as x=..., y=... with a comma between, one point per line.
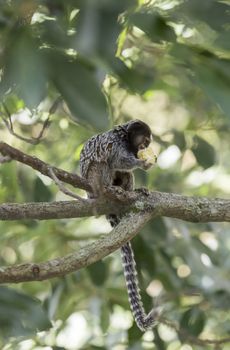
x=143, y=321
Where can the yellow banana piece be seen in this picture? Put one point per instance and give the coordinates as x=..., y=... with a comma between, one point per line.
x=147, y=154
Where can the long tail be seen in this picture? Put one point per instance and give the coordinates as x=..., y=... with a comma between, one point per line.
x=143, y=321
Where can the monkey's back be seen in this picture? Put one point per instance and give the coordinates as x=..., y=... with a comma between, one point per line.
x=102, y=148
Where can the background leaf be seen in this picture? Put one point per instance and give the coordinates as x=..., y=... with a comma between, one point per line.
x=81, y=91
x=25, y=68
x=193, y=321
x=204, y=152
x=98, y=272
x=20, y=315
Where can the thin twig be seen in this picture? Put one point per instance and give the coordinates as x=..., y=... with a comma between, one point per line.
x=33, y=140
x=9, y=125
x=62, y=188
x=190, y=338
x=55, y=105
x=37, y=164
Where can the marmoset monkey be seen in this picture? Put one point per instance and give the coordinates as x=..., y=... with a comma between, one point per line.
x=107, y=160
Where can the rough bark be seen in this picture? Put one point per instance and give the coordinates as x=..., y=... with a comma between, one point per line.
x=141, y=209
x=193, y=209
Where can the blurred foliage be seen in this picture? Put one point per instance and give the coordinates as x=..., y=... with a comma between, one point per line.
x=166, y=62
x=20, y=314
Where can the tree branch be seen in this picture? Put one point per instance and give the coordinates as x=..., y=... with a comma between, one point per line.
x=142, y=208
x=44, y=168
x=63, y=188
x=91, y=253
x=193, y=209
x=183, y=333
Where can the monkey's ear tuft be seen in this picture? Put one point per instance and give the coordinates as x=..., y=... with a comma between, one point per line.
x=140, y=127
x=135, y=124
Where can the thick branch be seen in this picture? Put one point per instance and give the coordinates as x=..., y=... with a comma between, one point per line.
x=193, y=209
x=42, y=167
x=54, y=210
x=91, y=253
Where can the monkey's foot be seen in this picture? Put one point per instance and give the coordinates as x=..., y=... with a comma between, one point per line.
x=115, y=192
x=143, y=190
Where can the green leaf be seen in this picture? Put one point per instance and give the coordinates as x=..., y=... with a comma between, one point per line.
x=204, y=152
x=158, y=341
x=20, y=315
x=9, y=184
x=155, y=232
x=118, y=296
x=98, y=272
x=98, y=27
x=24, y=68
x=135, y=79
x=105, y=316
x=179, y=139
x=220, y=299
x=213, y=12
x=223, y=41
x=79, y=87
x=41, y=192
x=166, y=272
x=143, y=253
x=153, y=25
x=209, y=72
x=134, y=334
x=213, y=76
x=13, y=103
x=193, y=321
x=54, y=33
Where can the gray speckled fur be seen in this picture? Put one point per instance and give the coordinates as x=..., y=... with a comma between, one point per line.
x=111, y=148
x=104, y=157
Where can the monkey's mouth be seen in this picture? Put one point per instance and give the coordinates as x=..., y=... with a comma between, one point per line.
x=141, y=147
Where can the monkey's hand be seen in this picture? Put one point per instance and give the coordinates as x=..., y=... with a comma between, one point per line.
x=146, y=165
x=143, y=190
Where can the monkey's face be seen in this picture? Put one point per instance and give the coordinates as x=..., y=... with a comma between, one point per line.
x=142, y=141
x=139, y=141
x=139, y=136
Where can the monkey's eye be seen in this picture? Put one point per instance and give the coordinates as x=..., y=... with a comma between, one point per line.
x=146, y=141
